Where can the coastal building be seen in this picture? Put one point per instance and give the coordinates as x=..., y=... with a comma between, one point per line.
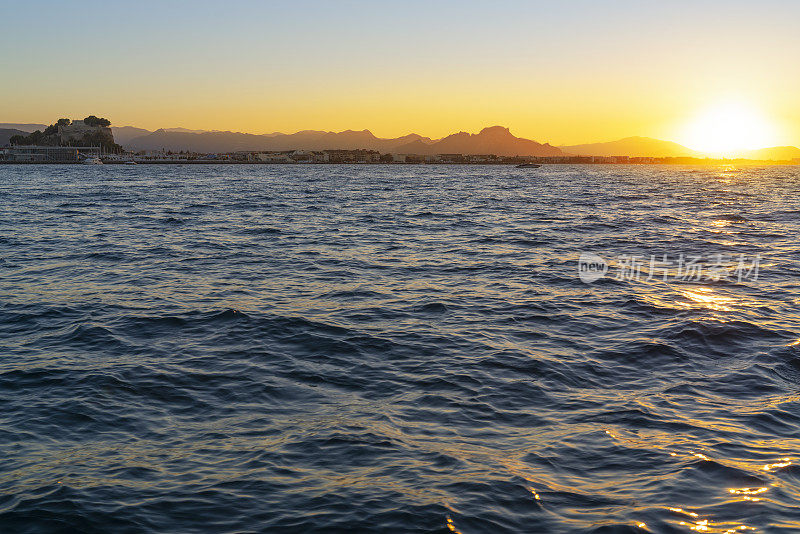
x=274, y=157
x=48, y=154
x=310, y=156
x=353, y=156
x=302, y=156
x=482, y=158
x=160, y=155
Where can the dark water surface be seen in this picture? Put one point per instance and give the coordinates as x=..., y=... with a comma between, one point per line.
x=395, y=349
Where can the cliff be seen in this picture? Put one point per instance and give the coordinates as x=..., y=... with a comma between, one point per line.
x=91, y=131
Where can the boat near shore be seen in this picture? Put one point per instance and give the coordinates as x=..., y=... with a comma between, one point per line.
x=92, y=161
x=528, y=166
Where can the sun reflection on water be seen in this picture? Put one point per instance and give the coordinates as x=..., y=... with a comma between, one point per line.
x=747, y=493
x=784, y=462
x=697, y=521
x=451, y=527
x=706, y=525
x=707, y=298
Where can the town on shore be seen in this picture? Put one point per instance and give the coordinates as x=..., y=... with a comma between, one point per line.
x=92, y=140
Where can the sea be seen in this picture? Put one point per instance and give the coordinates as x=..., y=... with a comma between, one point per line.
x=399, y=348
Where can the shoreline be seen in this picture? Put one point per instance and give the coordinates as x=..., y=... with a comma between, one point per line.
x=449, y=163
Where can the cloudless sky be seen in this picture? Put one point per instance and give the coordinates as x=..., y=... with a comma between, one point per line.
x=556, y=71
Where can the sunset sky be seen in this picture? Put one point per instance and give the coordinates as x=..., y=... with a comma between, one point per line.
x=558, y=72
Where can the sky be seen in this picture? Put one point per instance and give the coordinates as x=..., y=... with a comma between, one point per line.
x=562, y=72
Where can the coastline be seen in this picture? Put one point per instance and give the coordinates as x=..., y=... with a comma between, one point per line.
x=448, y=163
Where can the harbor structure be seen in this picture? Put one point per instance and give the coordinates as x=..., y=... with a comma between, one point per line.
x=48, y=154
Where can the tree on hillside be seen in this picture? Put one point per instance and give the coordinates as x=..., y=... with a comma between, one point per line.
x=35, y=138
x=91, y=120
x=63, y=122
x=96, y=138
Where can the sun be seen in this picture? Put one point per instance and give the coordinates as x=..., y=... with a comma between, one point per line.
x=729, y=127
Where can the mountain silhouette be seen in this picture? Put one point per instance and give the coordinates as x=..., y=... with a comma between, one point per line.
x=634, y=147
x=123, y=134
x=235, y=141
x=7, y=133
x=23, y=126
x=776, y=153
x=496, y=140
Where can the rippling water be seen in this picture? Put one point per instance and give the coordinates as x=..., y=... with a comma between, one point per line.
x=395, y=348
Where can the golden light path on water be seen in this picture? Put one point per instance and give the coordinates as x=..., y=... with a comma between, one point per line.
x=718, y=302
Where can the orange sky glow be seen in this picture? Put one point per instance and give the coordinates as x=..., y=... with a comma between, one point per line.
x=572, y=73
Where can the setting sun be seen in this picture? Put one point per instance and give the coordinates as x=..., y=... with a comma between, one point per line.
x=728, y=127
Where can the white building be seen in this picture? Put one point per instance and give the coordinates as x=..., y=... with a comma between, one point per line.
x=273, y=157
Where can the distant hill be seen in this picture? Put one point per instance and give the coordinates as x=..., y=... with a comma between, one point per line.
x=24, y=127
x=234, y=141
x=634, y=147
x=123, y=134
x=186, y=130
x=496, y=140
x=776, y=153
x=7, y=133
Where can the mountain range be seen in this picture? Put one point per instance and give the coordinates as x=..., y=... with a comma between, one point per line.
x=496, y=140
x=235, y=141
x=492, y=140
x=633, y=147
x=25, y=127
